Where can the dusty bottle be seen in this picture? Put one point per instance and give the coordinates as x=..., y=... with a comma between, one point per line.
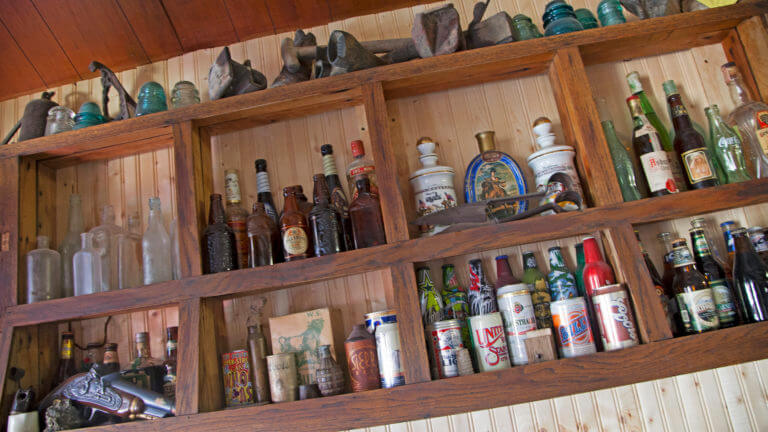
x=330, y=377
x=264, y=192
x=690, y=145
x=43, y=272
x=716, y=278
x=630, y=182
x=481, y=295
x=325, y=221
x=365, y=213
x=431, y=301
x=156, y=247
x=263, y=239
x=293, y=228
x=750, y=280
x=654, y=159
x=71, y=244
x=257, y=353
x=362, y=364
x=219, y=252
x=111, y=361
x=726, y=148
x=129, y=254
x=236, y=216
x=145, y=371
x=105, y=240
x=66, y=357
x=454, y=295
x=562, y=283
x=694, y=296
x=175, y=250
x=169, y=379
x=339, y=199
x=87, y=267
x=537, y=284
x=360, y=167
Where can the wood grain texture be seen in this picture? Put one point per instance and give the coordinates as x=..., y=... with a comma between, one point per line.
x=735, y=51
x=288, y=15
x=191, y=193
x=200, y=23
x=188, y=377
x=9, y=233
x=211, y=335
x=250, y=18
x=150, y=23
x=412, y=341
x=753, y=35
x=17, y=72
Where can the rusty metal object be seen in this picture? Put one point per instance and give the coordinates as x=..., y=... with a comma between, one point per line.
x=495, y=30
x=32, y=123
x=304, y=70
x=229, y=78
x=109, y=80
x=346, y=54
x=437, y=31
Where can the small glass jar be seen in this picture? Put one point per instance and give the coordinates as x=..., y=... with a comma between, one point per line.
x=586, y=18
x=151, y=99
x=60, y=119
x=559, y=18
x=523, y=28
x=184, y=94
x=89, y=115
x=609, y=12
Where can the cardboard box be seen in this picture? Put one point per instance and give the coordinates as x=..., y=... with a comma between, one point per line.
x=302, y=333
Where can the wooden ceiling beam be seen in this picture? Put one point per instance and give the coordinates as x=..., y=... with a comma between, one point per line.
x=201, y=23
x=153, y=28
x=16, y=70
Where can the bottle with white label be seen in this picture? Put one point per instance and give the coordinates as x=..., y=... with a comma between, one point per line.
x=654, y=160
x=698, y=311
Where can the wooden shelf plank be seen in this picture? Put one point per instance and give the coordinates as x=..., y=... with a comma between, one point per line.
x=488, y=390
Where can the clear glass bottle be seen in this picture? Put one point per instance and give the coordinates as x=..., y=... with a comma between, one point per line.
x=60, y=119
x=175, y=250
x=129, y=254
x=725, y=146
x=105, y=240
x=87, y=267
x=43, y=272
x=156, y=247
x=629, y=182
x=750, y=120
x=71, y=244
x=360, y=166
x=236, y=216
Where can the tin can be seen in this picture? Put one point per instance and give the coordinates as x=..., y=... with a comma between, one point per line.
x=444, y=341
x=283, y=377
x=516, y=308
x=238, y=389
x=571, y=322
x=374, y=319
x=488, y=342
x=615, y=317
x=361, y=360
x=388, y=352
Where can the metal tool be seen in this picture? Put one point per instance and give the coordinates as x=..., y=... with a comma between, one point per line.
x=109, y=80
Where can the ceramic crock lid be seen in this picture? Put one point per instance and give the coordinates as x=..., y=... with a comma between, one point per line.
x=545, y=139
x=428, y=157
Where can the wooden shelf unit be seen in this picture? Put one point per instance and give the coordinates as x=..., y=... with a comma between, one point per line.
x=28, y=168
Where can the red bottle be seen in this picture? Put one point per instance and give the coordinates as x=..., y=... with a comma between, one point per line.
x=597, y=273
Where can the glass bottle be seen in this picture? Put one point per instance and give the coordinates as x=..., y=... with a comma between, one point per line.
x=151, y=99
x=431, y=302
x=668, y=280
x=481, y=295
x=111, y=363
x=330, y=377
x=365, y=212
x=727, y=265
x=88, y=115
x=629, y=182
x=690, y=145
x=105, y=240
x=66, y=357
x=86, y=272
x=304, y=205
x=264, y=192
x=169, y=379
x=759, y=242
x=537, y=284
x=454, y=295
x=71, y=244
x=579, y=273
x=93, y=357
x=293, y=228
x=495, y=174
x=145, y=371
x=728, y=227
x=655, y=161
x=750, y=280
x=60, y=119
x=562, y=283
x=324, y=220
x=129, y=254
x=597, y=272
x=184, y=94
x=43, y=272
x=257, y=354
x=694, y=296
x=338, y=198
x=175, y=250
x=219, y=253
x=670, y=88
x=726, y=147
x=263, y=238
x=156, y=247
x=504, y=274
x=236, y=216
x=658, y=284
x=750, y=120
x=716, y=279
x=359, y=167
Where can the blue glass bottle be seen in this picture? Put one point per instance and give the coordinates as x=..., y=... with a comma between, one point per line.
x=586, y=18
x=609, y=12
x=559, y=18
x=151, y=99
x=89, y=115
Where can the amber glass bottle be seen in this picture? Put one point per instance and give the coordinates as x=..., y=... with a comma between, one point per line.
x=66, y=360
x=293, y=227
x=338, y=197
x=304, y=205
x=263, y=238
x=690, y=145
x=324, y=221
x=219, y=252
x=236, y=216
x=365, y=212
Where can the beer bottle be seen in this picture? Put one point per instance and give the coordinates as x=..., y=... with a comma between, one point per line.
x=659, y=285
x=750, y=280
x=293, y=227
x=66, y=359
x=716, y=278
x=698, y=312
x=537, y=284
x=324, y=221
x=219, y=253
x=481, y=295
x=236, y=216
x=668, y=277
x=690, y=145
x=111, y=362
x=264, y=242
x=338, y=197
x=504, y=274
x=654, y=160
x=264, y=192
x=169, y=380
x=562, y=283
x=431, y=301
x=701, y=223
x=454, y=295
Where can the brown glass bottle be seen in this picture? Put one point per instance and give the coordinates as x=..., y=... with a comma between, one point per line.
x=293, y=227
x=169, y=380
x=263, y=238
x=690, y=145
x=236, y=216
x=365, y=212
x=339, y=199
x=304, y=205
x=66, y=358
x=219, y=252
x=324, y=221
x=111, y=361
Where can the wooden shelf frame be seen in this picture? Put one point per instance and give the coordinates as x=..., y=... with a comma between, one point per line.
x=27, y=169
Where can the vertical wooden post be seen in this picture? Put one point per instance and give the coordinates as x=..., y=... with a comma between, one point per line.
x=9, y=233
x=754, y=39
x=188, y=371
x=412, y=343
x=212, y=334
x=6, y=336
x=28, y=221
x=582, y=128
x=735, y=52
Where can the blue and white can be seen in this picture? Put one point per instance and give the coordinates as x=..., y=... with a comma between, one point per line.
x=374, y=319
x=390, y=358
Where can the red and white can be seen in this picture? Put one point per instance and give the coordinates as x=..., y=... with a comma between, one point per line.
x=571, y=322
x=489, y=342
x=614, y=314
x=444, y=340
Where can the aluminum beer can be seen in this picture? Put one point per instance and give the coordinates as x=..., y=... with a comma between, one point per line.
x=614, y=314
x=444, y=341
x=489, y=342
x=571, y=322
x=516, y=308
x=388, y=352
x=374, y=319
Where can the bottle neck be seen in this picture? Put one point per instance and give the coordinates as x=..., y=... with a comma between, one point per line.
x=592, y=251
x=262, y=182
x=700, y=244
x=142, y=350
x=742, y=244
x=329, y=165
x=86, y=240
x=680, y=117
x=556, y=259
x=67, y=347
x=503, y=272
x=320, y=194
x=529, y=261
x=216, y=214
x=291, y=203
x=580, y=255
x=363, y=186
x=170, y=349
x=76, y=217
x=739, y=92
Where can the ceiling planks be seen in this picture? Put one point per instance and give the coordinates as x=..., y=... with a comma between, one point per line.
x=16, y=71
x=201, y=23
x=250, y=18
x=152, y=26
x=288, y=15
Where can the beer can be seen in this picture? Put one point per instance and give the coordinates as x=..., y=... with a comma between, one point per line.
x=374, y=319
x=571, y=322
x=444, y=341
x=615, y=317
x=489, y=342
x=388, y=352
x=516, y=309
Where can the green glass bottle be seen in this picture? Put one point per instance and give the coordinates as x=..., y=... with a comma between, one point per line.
x=579, y=273
x=537, y=284
x=633, y=79
x=725, y=146
x=632, y=185
x=716, y=278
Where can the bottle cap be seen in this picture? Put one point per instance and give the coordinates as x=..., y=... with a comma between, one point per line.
x=635, y=109
x=727, y=223
x=633, y=79
x=42, y=242
x=485, y=141
x=670, y=87
x=143, y=337
x=357, y=148
x=326, y=149
x=261, y=165
x=501, y=257
x=554, y=248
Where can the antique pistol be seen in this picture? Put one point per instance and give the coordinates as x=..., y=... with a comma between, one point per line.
x=112, y=395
